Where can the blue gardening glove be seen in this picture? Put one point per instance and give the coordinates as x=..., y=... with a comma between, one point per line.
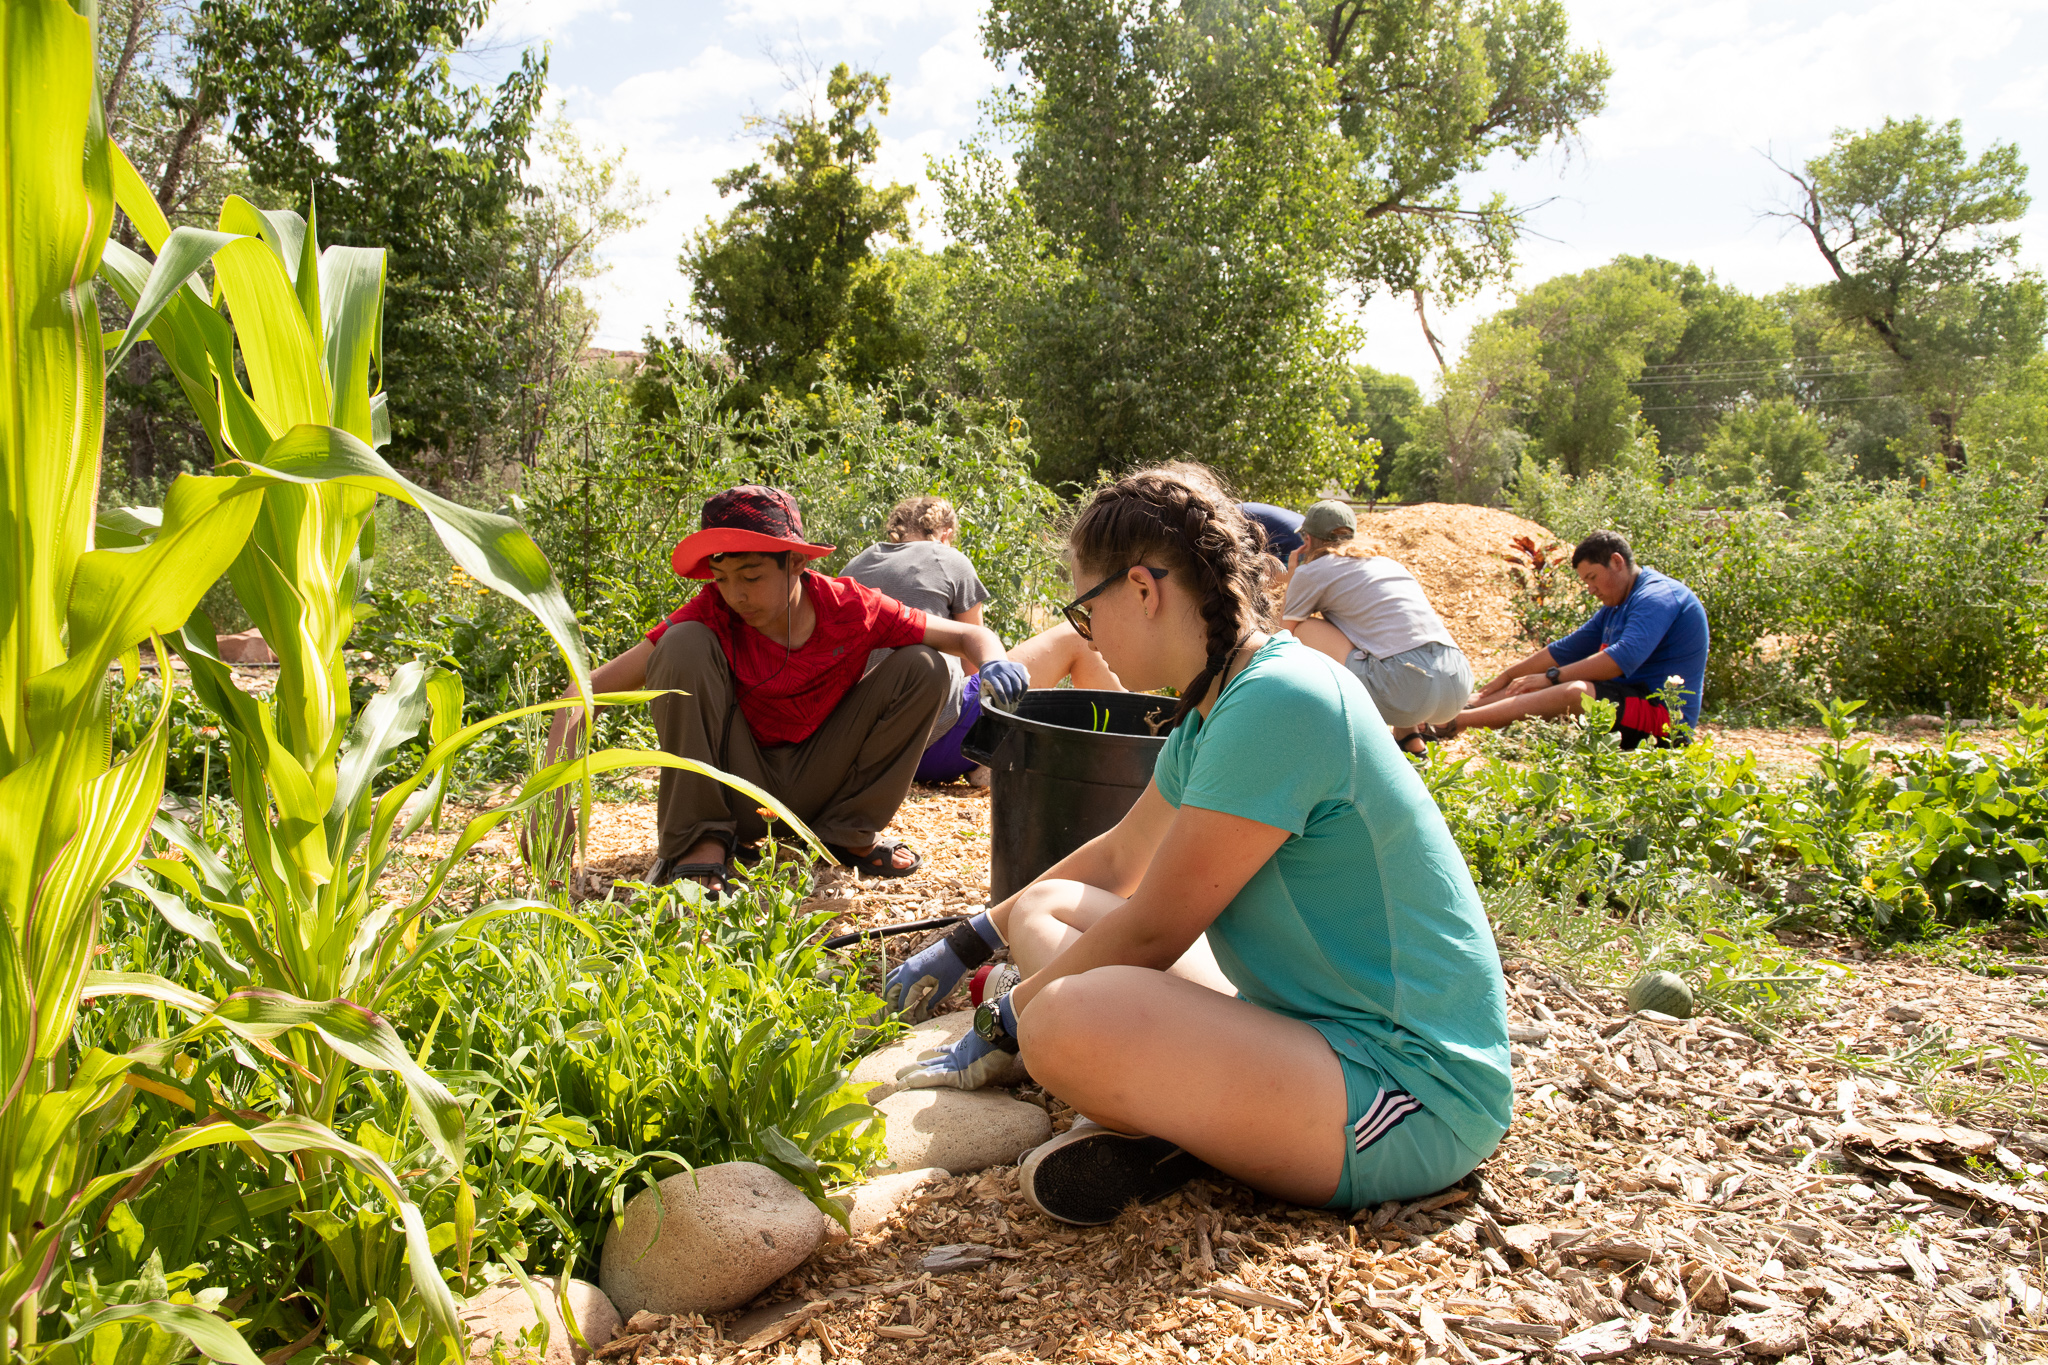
x=1007, y=682
x=969, y=1064
x=928, y=977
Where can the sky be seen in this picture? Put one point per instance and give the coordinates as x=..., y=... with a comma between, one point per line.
x=1704, y=93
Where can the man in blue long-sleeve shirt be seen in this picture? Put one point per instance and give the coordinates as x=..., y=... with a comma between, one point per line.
x=1649, y=637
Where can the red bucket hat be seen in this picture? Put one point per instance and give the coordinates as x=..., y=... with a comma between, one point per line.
x=743, y=520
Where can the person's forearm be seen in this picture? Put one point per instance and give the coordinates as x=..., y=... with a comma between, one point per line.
x=1095, y=863
x=1596, y=667
x=1539, y=662
x=1127, y=936
x=982, y=647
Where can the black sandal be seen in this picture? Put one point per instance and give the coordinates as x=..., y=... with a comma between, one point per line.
x=879, y=861
x=664, y=872
x=1418, y=739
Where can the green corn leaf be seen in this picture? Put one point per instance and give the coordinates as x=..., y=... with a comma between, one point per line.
x=360, y=1035
x=386, y=725
x=494, y=550
x=179, y=259
x=213, y=1338
x=782, y=1149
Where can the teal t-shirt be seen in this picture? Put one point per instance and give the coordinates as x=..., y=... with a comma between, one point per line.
x=1365, y=923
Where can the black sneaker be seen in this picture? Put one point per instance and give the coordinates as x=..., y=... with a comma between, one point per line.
x=1089, y=1174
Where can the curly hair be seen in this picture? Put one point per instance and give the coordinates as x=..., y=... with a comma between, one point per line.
x=1180, y=517
x=921, y=519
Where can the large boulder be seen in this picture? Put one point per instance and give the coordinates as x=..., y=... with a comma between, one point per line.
x=505, y=1311
x=720, y=1235
x=960, y=1130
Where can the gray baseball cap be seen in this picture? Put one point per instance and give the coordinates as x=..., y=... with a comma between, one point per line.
x=1326, y=518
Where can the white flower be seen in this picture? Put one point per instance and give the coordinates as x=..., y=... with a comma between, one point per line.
x=1674, y=681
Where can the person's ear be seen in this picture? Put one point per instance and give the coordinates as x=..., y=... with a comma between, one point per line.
x=1148, y=590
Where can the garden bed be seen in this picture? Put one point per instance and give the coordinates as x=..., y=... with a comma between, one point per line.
x=1855, y=1184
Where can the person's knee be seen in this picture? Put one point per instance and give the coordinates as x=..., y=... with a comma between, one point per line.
x=682, y=654
x=917, y=669
x=1062, y=1030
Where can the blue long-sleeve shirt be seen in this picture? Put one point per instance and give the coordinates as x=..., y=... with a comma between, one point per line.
x=1660, y=629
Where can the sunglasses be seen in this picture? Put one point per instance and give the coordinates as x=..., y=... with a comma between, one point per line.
x=1082, y=617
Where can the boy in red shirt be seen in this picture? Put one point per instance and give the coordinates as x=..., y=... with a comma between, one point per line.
x=766, y=662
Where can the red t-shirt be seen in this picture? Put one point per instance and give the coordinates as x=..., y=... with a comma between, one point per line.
x=786, y=694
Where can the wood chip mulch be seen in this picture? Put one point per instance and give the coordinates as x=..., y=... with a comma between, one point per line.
x=1670, y=1190
x=1868, y=1183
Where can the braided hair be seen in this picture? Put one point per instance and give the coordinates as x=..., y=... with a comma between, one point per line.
x=1179, y=516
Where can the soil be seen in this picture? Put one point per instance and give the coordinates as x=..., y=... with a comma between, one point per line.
x=1860, y=1180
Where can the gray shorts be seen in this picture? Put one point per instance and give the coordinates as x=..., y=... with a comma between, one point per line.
x=1427, y=685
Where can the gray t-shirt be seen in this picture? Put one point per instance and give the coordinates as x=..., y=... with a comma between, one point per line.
x=1376, y=603
x=936, y=579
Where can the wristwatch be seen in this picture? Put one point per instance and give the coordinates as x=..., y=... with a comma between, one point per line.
x=1551, y=673
x=988, y=1022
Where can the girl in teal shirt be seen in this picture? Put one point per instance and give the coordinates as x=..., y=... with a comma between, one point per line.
x=1276, y=965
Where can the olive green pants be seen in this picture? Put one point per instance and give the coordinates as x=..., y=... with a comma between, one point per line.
x=845, y=781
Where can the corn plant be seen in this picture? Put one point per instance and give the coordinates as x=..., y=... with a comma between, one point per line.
x=68, y=612
x=281, y=362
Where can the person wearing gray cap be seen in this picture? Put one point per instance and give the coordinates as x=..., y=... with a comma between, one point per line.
x=1369, y=614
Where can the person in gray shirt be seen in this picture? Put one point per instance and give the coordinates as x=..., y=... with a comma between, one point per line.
x=919, y=567
x=1369, y=614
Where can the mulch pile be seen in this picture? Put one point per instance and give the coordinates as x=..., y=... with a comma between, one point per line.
x=1670, y=1190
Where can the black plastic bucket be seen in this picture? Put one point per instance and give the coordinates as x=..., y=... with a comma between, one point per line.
x=1067, y=763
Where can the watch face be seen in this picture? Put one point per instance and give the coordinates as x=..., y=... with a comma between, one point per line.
x=987, y=1022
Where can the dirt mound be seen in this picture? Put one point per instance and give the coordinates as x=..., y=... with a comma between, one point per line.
x=1454, y=552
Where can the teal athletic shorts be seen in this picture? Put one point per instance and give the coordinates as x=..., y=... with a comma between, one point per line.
x=1394, y=1148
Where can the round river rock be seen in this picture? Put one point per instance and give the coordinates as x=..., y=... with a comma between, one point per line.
x=504, y=1310
x=726, y=1233
x=960, y=1130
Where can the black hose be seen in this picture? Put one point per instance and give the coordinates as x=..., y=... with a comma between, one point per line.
x=887, y=930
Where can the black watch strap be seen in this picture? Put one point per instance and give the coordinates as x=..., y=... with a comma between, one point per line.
x=1551, y=673
x=969, y=946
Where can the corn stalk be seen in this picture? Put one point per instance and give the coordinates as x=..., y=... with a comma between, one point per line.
x=282, y=364
x=69, y=610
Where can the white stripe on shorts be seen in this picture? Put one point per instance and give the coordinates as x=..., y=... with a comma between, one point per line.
x=1385, y=1113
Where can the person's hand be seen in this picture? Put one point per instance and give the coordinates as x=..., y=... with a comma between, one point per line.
x=1491, y=690
x=1006, y=681
x=1535, y=682
x=1294, y=558
x=969, y=1064
x=922, y=981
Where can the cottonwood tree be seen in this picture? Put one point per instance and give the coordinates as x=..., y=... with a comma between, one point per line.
x=1194, y=185
x=1595, y=330
x=1465, y=444
x=1154, y=283
x=1920, y=242
x=359, y=101
x=791, y=281
x=1428, y=91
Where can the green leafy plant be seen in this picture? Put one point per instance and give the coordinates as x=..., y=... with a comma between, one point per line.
x=668, y=1034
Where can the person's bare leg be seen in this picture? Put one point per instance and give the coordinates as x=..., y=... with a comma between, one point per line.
x=1046, y=918
x=1062, y=653
x=1255, y=1094
x=1324, y=638
x=1565, y=699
